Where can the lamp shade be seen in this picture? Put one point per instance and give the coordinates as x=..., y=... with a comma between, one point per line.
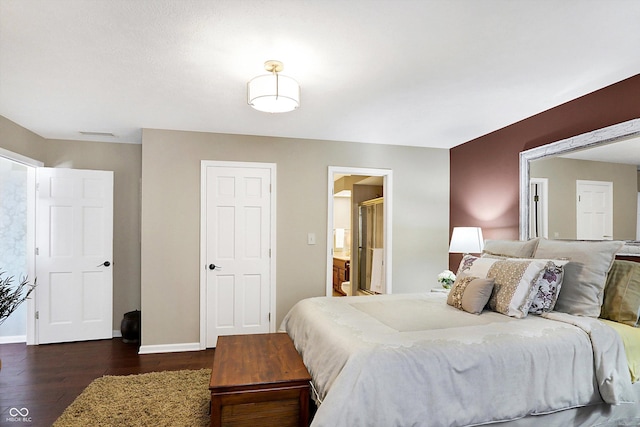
x=466, y=240
x=273, y=93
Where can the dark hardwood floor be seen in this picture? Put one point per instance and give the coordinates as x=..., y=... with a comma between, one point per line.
x=45, y=379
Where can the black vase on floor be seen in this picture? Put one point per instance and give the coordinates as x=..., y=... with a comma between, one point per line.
x=130, y=327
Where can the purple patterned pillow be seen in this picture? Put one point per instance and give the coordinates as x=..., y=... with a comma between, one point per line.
x=549, y=287
x=466, y=263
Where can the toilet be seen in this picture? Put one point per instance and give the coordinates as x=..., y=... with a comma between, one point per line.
x=346, y=288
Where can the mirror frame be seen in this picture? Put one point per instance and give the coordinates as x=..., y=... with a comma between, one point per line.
x=599, y=137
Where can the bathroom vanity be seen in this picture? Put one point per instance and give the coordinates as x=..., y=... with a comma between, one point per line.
x=341, y=267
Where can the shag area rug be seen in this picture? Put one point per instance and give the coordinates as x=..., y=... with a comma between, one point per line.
x=169, y=398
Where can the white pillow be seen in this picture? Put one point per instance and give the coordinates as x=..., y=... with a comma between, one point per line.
x=474, y=266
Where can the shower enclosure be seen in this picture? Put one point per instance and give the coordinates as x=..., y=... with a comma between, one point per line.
x=371, y=246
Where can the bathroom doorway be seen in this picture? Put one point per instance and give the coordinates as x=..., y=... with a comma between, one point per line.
x=359, y=231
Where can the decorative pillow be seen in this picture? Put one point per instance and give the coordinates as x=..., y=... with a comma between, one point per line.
x=516, y=281
x=511, y=248
x=470, y=293
x=549, y=287
x=515, y=287
x=622, y=293
x=494, y=256
x=585, y=274
x=480, y=266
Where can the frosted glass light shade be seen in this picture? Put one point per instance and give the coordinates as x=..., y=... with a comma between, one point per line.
x=273, y=93
x=466, y=240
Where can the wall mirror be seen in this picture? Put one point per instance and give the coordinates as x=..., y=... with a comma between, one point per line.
x=558, y=178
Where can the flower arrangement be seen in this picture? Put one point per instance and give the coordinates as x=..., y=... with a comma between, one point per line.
x=446, y=278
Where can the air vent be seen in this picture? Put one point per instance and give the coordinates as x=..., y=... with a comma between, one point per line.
x=89, y=133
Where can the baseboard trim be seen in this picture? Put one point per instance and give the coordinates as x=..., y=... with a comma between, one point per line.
x=117, y=333
x=12, y=339
x=169, y=348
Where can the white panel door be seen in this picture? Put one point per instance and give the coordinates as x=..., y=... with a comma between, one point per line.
x=237, y=232
x=74, y=247
x=594, y=219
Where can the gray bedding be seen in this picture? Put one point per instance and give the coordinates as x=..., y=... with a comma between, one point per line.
x=412, y=360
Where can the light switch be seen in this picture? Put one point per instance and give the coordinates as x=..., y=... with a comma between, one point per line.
x=311, y=239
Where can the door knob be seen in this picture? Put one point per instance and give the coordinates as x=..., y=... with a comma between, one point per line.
x=213, y=267
x=105, y=264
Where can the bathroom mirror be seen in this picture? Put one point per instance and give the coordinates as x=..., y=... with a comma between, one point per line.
x=591, y=146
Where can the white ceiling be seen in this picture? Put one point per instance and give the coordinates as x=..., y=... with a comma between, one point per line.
x=433, y=73
x=626, y=151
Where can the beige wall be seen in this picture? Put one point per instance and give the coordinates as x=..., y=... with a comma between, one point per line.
x=171, y=218
x=14, y=137
x=169, y=163
x=125, y=161
x=562, y=175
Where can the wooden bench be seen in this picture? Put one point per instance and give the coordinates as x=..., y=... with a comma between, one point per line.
x=258, y=380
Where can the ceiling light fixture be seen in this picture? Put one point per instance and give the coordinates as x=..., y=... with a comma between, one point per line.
x=273, y=93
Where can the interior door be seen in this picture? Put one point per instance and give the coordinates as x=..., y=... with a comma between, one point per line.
x=594, y=219
x=237, y=222
x=74, y=246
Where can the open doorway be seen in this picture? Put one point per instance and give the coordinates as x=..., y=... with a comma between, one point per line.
x=539, y=207
x=17, y=247
x=13, y=241
x=359, y=231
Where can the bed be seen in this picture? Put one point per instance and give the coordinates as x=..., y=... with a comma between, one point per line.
x=418, y=360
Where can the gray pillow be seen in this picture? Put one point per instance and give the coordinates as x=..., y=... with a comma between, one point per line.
x=511, y=248
x=470, y=294
x=585, y=274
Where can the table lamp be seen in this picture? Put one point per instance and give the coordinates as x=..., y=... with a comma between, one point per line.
x=466, y=240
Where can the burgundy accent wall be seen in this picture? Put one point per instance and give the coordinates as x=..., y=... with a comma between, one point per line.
x=485, y=171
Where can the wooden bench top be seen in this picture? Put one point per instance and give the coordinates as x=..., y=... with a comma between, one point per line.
x=243, y=362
